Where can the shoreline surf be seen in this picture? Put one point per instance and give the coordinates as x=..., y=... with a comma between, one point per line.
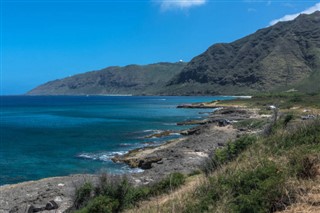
x=71, y=119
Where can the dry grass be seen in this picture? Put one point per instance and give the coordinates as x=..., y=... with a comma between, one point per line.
x=172, y=202
x=308, y=197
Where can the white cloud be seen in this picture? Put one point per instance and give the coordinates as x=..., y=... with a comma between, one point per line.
x=180, y=4
x=293, y=16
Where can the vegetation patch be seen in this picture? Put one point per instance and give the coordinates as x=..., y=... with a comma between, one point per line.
x=169, y=183
x=83, y=195
x=251, y=124
x=227, y=154
x=115, y=193
x=257, y=175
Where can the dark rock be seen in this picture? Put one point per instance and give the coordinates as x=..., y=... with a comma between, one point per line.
x=308, y=117
x=192, y=131
x=30, y=209
x=38, y=209
x=193, y=122
x=223, y=122
x=51, y=205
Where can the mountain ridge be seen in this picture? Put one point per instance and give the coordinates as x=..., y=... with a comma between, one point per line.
x=131, y=79
x=279, y=57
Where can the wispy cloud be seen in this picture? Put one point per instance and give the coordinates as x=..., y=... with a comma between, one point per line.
x=293, y=16
x=252, y=10
x=180, y=4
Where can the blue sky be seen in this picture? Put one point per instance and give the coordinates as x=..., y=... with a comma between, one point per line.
x=43, y=40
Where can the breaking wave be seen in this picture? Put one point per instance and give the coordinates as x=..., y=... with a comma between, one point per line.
x=102, y=156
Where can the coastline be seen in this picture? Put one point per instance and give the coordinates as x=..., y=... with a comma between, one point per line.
x=186, y=154
x=178, y=155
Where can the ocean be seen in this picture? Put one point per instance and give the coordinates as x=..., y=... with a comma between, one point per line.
x=45, y=136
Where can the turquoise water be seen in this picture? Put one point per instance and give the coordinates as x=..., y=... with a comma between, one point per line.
x=55, y=136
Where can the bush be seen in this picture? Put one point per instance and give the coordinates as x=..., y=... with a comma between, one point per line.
x=194, y=172
x=114, y=193
x=101, y=204
x=171, y=182
x=260, y=190
x=119, y=188
x=296, y=99
x=287, y=119
x=304, y=166
x=227, y=154
x=83, y=194
x=234, y=149
x=308, y=134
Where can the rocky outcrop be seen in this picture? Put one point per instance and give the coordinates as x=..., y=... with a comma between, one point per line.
x=143, y=163
x=50, y=195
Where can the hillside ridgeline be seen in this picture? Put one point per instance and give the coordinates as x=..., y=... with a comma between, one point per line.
x=131, y=79
x=283, y=56
x=277, y=58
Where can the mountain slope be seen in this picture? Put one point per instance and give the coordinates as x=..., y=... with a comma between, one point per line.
x=131, y=79
x=281, y=56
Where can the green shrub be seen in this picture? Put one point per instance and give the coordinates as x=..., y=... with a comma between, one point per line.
x=296, y=99
x=287, y=119
x=257, y=190
x=120, y=189
x=304, y=165
x=227, y=154
x=101, y=204
x=260, y=190
x=83, y=194
x=171, y=182
x=194, y=172
x=114, y=193
x=308, y=134
x=232, y=150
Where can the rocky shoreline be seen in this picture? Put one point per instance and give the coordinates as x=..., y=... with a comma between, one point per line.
x=183, y=155
x=186, y=154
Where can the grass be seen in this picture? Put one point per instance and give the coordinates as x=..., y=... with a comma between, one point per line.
x=227, y=154
x=260, y=178
x=252, y=124
x=284, y=100
x=260, y=174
